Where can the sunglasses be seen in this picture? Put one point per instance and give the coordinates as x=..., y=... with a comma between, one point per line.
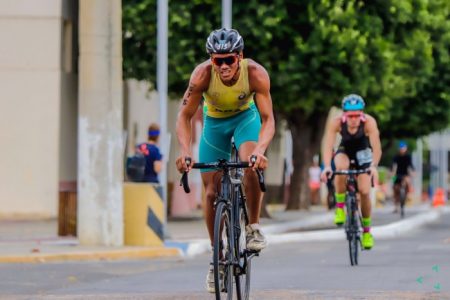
x=228, y=60
x=353, y=115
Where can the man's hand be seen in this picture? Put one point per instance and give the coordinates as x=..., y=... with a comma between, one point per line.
x=182, y=166
x=326, y=174
x=261, y=162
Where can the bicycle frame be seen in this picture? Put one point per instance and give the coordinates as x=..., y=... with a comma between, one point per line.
x=354, y=220
x=353, y=227
x=230, y=202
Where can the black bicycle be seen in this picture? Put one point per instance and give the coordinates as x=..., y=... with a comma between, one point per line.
x=402, y=194
x=353, y=223
x=230, y=254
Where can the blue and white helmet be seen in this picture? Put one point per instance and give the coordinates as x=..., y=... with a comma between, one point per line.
x=223, y=41
x=353, y=102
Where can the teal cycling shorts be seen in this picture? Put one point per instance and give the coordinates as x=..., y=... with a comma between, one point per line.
x=217, y=133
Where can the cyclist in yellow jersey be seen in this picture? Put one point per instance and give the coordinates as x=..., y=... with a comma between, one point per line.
x=230, y=86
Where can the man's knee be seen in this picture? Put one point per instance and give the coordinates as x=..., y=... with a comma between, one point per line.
x=249, y=174
x=210, y=194
x=364, y=194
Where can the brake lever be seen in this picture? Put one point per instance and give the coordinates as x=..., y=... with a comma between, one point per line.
x=184, y=179
x=262, y=185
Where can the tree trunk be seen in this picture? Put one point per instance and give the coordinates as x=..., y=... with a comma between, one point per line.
x=306, y=137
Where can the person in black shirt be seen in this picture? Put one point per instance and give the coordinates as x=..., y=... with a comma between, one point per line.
x=360, y=148
x=402, y=167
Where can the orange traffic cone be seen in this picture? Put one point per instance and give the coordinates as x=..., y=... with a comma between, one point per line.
x=438, y=198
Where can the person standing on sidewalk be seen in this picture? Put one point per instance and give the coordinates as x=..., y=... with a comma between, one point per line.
x=237, y=104
x=360, y=148
x=153, y=157
x=314, y=181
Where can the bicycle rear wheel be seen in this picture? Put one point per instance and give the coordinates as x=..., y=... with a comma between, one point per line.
x=222, y=254
x=242, y=274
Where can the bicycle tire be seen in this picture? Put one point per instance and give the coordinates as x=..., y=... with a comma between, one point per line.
x=242, y=279
x=352, y=231
x=222, y=245
x=402, y=196
x=353, y=249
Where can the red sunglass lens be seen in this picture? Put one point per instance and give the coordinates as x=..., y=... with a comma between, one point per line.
x=353, y=116
x=228, y=60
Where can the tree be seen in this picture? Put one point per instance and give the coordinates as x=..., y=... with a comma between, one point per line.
x=393, y=53
x=428, y=109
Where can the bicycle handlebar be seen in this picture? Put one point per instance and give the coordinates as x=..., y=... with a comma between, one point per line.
x=223, y=165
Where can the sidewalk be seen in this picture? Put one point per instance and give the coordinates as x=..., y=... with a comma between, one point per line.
x=37, y=241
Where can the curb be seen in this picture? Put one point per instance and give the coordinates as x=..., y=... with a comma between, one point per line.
x=392, y=230
x=92, y=255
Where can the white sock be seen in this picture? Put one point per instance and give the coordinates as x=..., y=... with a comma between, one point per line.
x=255, y=226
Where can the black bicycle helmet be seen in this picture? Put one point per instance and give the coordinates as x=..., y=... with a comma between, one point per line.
x=222, y=41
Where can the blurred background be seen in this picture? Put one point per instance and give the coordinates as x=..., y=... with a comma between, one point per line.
x=79, y=86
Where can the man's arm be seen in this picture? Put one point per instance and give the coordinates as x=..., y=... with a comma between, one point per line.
x=330, y=138
x=411, y=169
x=191, y=100
x=157, y=166
x=327, y=147
x=374, y=138
x=260, y=84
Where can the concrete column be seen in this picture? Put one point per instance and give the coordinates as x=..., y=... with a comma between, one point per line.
x=417, y=158
x=100, y=165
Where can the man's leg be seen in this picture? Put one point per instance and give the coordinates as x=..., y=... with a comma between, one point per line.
x=364, y=186
x=396, y=189
x=255, y=238
x=342, y=163
x=210, y=182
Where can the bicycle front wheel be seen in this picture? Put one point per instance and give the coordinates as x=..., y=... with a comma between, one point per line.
x=242, y=276
x=353, y=249
x=222, y=253
x=352, y=231
x=402, y=197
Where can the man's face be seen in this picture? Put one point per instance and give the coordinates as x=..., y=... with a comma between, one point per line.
x=402, y=150
x=353, y=118
x=225, y=65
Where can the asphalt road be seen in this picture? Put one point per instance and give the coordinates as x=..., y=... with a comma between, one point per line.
x=416, y=266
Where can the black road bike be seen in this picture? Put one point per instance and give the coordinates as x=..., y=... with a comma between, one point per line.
x=231, y=258
x=353, y=223
x=402, y=194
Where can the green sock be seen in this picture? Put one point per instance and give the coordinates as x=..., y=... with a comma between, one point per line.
x=366, y=222
x=340, y=200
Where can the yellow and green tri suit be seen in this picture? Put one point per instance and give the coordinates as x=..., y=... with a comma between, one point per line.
x=229, y=111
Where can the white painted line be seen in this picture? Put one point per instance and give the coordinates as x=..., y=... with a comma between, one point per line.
x=380, y=232
x=322, y=219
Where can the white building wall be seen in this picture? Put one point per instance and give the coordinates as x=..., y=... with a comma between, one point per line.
x=30, y=93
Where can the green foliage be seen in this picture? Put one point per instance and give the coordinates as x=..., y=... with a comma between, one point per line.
x=394, y=53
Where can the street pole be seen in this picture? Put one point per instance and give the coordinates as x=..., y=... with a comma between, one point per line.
x=162, y=67
x=100, y=147
x=418, y=162
x=226, y=13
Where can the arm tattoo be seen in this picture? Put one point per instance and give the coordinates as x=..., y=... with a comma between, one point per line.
x=190, y=89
